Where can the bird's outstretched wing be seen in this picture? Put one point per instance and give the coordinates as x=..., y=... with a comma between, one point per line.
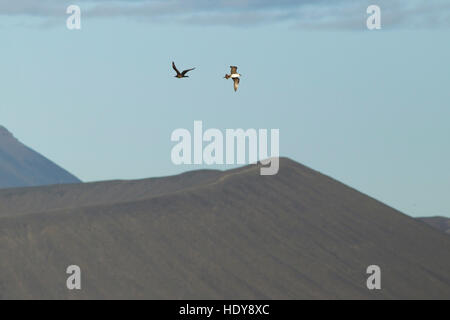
x=236, y=83
x=186, y=71
x=175, y=68
x=233, y=69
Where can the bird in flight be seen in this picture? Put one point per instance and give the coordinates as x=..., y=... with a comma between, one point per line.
x=181, y=74
x=235, y=76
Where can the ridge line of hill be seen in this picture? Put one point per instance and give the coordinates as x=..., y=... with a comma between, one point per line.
x=224, y=175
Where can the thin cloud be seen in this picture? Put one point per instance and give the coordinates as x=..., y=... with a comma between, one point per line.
x=304, y=14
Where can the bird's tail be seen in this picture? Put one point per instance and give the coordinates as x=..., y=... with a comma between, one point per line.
x=227, y=76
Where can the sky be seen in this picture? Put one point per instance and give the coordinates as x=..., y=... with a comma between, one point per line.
x=368, y=108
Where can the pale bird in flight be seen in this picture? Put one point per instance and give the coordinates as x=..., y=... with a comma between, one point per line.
x=235, y=76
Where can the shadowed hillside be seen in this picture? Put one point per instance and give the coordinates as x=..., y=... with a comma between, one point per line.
x=233, y=234
x=20, y=166
x=21, y=201
x=440, y=223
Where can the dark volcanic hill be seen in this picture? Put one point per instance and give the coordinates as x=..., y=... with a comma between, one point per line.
x=440, y=223
x=20, y=166
x=211, y=234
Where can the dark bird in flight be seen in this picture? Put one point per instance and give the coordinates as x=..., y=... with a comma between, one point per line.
x=235, y=76
x=181, y=74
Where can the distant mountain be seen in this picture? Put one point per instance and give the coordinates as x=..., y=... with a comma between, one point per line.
x=22, y=167
x=440, y=223
x=216, y=235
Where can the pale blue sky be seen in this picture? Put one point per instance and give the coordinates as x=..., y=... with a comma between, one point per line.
x=369, y=108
